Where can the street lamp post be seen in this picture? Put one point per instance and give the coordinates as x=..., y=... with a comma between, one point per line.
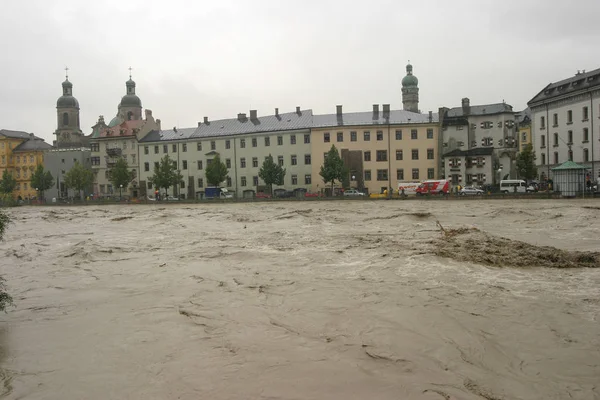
x=120, y=192
x=37, y=195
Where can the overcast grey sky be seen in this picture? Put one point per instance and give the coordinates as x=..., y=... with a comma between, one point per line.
x=192, y=59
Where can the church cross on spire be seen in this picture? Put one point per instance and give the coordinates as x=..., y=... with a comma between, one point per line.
x=67, y=72
x=130, y=72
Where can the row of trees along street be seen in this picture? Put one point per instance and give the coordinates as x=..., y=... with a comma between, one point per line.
x=166, y=174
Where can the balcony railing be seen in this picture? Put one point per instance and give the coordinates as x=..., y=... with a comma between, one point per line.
x=114, y=151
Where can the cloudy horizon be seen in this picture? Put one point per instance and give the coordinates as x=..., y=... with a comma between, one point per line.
x=192, y=60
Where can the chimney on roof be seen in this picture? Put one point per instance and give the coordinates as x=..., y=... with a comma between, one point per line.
x=277, y=112
x=241, y=117
x=466, y=106
x=252, y=114
x=199, y=123
x=174, y=129
x=158, y=124
x=386, y=109
x=430, y=116
x=298, y=110
x=338, y=110
x=376, y=109
x=31, y=136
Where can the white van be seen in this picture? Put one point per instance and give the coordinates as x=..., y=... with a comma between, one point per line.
x=509, y=185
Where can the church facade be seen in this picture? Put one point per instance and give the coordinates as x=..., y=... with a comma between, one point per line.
x=119, y=139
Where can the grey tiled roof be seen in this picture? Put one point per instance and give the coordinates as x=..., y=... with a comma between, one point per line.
x=287, y=122
x=33, y=145
x=485, y=109
x=480, y=151
x=233, y=126
x=369, y=118
x=270, y=123
x=523, y=116
x=576, y=83
x=15, y=134
x=169, y=134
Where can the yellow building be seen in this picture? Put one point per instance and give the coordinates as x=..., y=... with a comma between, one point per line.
x=380, y=148
x=524, y=128
x=21, y=153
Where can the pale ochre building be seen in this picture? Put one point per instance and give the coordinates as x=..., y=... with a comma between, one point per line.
x=380, y=148
x=20, y=154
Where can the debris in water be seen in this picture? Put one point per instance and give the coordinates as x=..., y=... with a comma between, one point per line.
x=121, y=218
x=472, y=245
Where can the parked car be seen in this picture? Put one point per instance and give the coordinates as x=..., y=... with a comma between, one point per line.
x=282, y=193
x=353, y=192
x=308, y=194
x=470, y=191
x=172, y=198
x=262, y=195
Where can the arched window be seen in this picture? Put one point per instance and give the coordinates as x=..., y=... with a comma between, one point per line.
x=129, y=116
x=65, y=120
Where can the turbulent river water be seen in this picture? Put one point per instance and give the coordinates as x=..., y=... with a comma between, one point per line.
x=296, y=300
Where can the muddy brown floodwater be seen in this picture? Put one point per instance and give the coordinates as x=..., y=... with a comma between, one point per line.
x=299, y=300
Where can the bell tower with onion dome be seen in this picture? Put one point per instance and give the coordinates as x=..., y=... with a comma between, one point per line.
x=410, y=91
x=68, y=132
x=130, y=108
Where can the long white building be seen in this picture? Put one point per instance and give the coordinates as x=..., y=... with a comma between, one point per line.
x=565, y=123
x=242, y=143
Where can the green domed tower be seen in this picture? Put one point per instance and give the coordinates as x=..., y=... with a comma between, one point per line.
x=68, y=132
x=410, y=90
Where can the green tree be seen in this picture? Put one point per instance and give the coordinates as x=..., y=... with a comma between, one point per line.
x=526, y=163
x=79, y=178
x=271, y=173
x=8, y=183
x=41, y=180
x=5, y=299
x=346, y=178
x=166, y=174
x=120, y=175
x=4, y=221
x=333, y=168
x=216, y=171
